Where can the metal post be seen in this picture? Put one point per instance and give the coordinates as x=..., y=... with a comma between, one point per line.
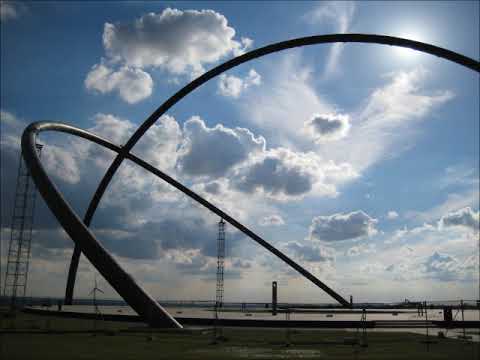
x=288, y=340
x=426, y=325
x=364, y=329
x=274, y=298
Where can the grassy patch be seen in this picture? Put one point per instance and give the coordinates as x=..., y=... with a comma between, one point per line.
x=132, y=341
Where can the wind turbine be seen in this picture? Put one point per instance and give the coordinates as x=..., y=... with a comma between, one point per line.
x=97, y=310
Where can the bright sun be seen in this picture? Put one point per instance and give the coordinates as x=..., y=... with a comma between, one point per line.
x=406, y=53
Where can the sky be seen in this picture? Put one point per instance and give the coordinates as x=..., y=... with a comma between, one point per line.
x=361, y=162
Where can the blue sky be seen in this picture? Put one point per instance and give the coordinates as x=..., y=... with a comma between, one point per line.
x=359, y=161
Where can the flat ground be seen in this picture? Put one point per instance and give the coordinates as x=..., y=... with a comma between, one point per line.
x=40, y=337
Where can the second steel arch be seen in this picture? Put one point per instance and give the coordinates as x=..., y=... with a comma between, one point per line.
x=254, y=54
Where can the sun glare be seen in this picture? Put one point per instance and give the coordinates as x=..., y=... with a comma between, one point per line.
x=406, y=53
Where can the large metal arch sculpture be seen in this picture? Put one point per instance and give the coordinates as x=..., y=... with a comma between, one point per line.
x=132, y=293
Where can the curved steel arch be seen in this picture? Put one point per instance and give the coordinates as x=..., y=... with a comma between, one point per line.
x=257, y=53
x=84, y=239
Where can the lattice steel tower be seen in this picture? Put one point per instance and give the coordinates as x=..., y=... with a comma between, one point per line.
x=16, y=277
x=220, y=264
x=218, y=331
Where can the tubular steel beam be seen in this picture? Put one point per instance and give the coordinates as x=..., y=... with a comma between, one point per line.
x=254, y=54
x=110, y=269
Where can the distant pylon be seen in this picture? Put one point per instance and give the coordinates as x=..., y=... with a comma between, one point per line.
x=15, y=285
x=220, y=271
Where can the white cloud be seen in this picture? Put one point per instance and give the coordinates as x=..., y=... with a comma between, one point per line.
x=271, y=220
x=400, y=100
x=175, y=40
x=445, y=267
x=242, y=264
x=11, y=129
x=232, y=86
x=327, y=127
x=241, y=163
x=212, y=188
x=273, y=108
x=214, y=151
x=340, y=226
x=10, y=10
x=158, y=146
x=361, y=249
x=223, y=194
x=283, y=174
x=459, y=175
x=392, y=215
x=384, y=125
x=311, y=252
x=179, y=42
x=160, y=143
x=112, y=127
x=75, y=161
x=453, y=202
x=132, y=84
x=340, y=15
x=61, y=163
x=465, y=217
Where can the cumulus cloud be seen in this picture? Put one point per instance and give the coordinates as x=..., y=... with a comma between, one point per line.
x=340, y=15
x=340, y=226
x=213, y=151
x=284, y=174
x=327, y=127
x=445, y=267
x=453, y=202
x=178, y=41
x=112, y=127
x=311, y=253
x=361, y=250
x=232, y=86
x=190, y=262
x=465, y=217
x=271, y=220
x=279, y=172
x=132, y=84
x=212, y=188
x=133, y=188
x=158, y=146
x=61, y=163
x=190, y=229
x=160, y=143
x=392, y=215
x=242, y=264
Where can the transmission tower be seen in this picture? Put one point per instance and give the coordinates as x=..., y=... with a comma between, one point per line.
x=220, y=269
x=16, y=277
